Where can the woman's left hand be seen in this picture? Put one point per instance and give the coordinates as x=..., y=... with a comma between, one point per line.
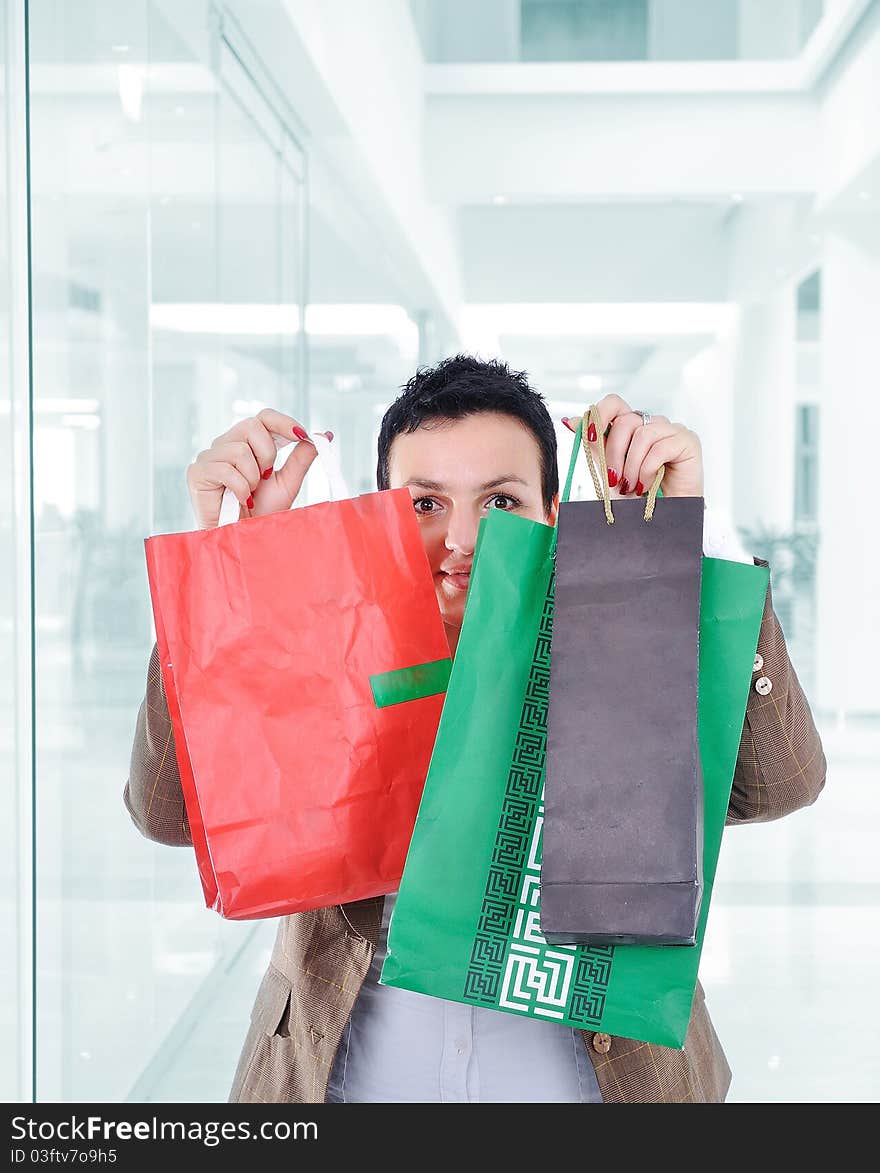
x=634, y=451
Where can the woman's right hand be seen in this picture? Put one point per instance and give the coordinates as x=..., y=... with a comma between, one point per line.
x=242, y=459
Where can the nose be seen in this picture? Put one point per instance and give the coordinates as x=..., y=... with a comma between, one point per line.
x=461, y=534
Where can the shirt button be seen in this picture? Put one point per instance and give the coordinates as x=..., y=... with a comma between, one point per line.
x=763, y=685
x=759, y=663
x=602, y=1043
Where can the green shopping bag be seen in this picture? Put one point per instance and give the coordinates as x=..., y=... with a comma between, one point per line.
x=465, y=925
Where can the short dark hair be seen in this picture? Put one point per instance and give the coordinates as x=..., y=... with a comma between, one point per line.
x=463, y=385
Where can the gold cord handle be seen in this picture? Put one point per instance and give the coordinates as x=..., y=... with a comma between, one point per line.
x=603, y=489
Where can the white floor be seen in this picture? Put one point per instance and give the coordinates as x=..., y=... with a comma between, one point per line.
x=791, y=962
x=792, y=957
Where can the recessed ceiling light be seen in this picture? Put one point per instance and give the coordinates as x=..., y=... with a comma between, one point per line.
x=499, y=199
x=121, y=48
x=737, y=197
x=589, y=383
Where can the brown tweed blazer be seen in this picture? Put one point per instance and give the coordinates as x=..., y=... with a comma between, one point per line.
x=321, y=958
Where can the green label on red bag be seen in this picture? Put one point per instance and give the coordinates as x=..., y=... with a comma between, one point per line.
x=410, y=684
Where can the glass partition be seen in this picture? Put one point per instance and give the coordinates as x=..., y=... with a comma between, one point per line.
x=171, y=206
x=167, y=203
x=15, y=716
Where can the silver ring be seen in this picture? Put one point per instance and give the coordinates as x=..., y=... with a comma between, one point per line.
x=646, y=418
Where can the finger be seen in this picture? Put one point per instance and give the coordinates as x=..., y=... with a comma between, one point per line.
x=610, y=411
x=292, y=473
x=668, y=451
x=265, y=443
x=240, y=453
x=617, y=448
x=642, y=459
x=572, y=422
x=281, y=426
x=618, y=445
x=608, y=408
x=277, y=424
x=223, y=474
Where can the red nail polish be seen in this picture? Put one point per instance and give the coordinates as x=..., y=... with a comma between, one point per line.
x=300, y=433
x=591, y=433
x=640, y=488
x=266, y=474
x=329, y=435
x=250, y=502
x=624, y=486
x=612, y=477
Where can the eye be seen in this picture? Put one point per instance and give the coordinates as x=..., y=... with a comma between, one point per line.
x=419, y=501
x=512, y=501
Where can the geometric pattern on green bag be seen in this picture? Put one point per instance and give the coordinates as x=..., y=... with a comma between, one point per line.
x=511, y=964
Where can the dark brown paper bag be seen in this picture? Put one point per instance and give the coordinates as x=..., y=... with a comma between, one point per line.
x=623, y=828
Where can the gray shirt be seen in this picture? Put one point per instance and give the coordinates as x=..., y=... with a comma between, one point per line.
x=404, y=1047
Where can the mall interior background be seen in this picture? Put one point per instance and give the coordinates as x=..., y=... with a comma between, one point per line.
x=210, y=207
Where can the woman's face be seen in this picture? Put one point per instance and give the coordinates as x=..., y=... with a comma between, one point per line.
x=456, y=471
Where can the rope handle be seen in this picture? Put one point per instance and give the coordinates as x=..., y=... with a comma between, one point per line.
x=603, y=489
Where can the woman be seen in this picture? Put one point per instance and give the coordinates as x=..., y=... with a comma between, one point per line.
x=465, y=436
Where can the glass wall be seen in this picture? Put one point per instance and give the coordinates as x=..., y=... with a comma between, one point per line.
x=11, y=1006
x=16, y=709
x=147, y=168
x=9, y=1003
x=176, y=238
x=119, y=99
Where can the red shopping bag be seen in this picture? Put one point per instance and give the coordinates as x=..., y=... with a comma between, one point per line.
x=305, y=663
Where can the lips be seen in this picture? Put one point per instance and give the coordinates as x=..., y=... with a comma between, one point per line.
x=459, y=581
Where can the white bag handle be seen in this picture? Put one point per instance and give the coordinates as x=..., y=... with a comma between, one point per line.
x=329, y=458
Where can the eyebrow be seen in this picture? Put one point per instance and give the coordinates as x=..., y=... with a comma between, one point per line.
x=438, y=488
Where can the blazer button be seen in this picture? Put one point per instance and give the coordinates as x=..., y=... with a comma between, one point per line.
x=602, y=1043
x=759, y=663
x=763, y=685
